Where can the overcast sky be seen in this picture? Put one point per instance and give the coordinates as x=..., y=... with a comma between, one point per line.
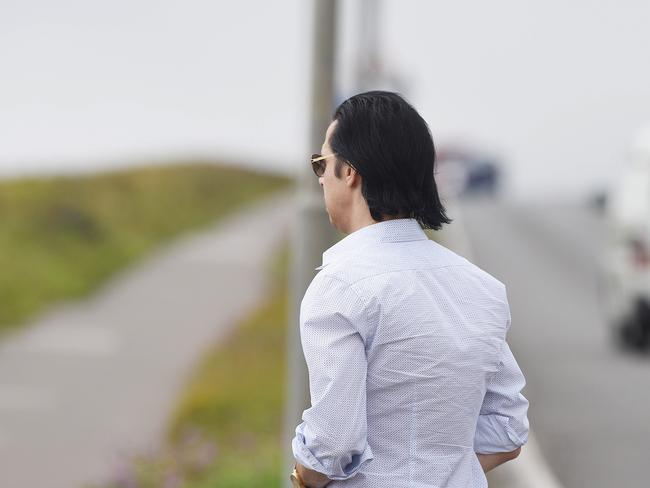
x=556, y=88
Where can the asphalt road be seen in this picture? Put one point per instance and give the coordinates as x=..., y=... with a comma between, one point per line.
x=590, y=401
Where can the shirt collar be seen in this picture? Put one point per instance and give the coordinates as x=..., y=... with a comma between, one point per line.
x=395, y=230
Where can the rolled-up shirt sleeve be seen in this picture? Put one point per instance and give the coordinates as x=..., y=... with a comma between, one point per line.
x=503, y=420
x=332, y=439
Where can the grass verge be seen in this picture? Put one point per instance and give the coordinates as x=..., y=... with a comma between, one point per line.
x=60, y=237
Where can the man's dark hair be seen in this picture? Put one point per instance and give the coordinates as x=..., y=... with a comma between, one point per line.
x=390, y=145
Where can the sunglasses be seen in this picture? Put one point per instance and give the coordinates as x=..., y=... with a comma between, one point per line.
x=318, y=163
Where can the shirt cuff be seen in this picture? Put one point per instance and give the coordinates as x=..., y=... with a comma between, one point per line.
x=495, y=434
x=335, y=468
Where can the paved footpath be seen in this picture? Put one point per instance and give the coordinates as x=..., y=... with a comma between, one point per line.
x=89, y=382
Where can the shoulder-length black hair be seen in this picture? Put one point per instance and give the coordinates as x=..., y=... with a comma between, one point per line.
x=390, y=145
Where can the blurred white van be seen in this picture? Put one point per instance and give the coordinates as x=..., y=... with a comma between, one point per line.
x=625, y=287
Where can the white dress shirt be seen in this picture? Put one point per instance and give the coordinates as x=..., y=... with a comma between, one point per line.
x=410, y=373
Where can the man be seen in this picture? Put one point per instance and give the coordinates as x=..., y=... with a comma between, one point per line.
x=412, y=382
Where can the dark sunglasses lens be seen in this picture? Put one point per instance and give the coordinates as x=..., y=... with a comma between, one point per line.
x=318, y=169
x=317, y=166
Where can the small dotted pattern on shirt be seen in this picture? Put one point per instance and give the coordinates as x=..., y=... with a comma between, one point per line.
x=409, y=370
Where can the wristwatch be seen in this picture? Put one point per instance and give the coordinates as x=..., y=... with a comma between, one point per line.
x=296, y=480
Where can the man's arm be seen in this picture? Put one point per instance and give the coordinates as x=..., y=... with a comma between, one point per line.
x=502, y=426
x=311, y=478
x=491, y=461
x=332, y=439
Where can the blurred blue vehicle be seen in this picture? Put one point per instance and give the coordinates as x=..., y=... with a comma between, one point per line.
x=468, y=172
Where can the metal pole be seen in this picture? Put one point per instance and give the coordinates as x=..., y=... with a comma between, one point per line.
x=313, y=232
x=368, y=68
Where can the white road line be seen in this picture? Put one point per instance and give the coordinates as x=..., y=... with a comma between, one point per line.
x=530, y=470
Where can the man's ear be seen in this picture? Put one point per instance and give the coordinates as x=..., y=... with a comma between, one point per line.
x=351, y=176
